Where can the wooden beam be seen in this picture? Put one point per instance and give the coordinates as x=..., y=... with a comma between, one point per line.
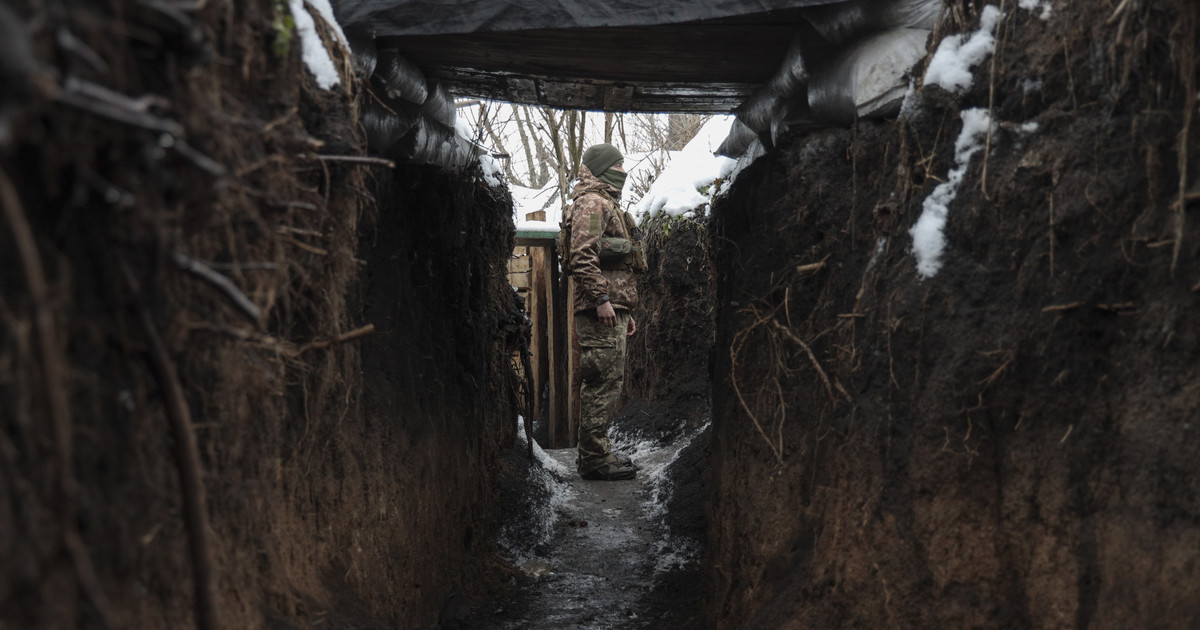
x=521, y=90
x=618, y=98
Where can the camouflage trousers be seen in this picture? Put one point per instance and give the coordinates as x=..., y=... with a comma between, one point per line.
x=602, y=368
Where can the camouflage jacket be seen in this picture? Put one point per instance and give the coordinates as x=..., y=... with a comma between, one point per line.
x=594, y=214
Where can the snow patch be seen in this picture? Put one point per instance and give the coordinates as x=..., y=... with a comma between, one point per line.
x=537, y=226
x=493, y=174
x=929, y=241
x=544, y=199
x=951, y=64
x=673, y=552
x=547, y=462
x=654, y=461
x=880, y=246
x=313, y=50
x=1029, y=86
x=326, y=10
x=1035, y=5
x=688, y=181
x=519, y=543
x=909, y=106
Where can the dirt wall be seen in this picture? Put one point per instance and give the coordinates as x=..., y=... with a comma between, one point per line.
x=189, y=266
x=669, y=355
x=1011, y=442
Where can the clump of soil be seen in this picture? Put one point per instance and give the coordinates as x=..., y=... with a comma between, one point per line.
x=1003, y=444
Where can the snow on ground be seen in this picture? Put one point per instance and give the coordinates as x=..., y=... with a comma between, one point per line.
x=684, y=185
x=313, y=51
x=687, y=181
x=519, y=544
x=526, y=200
x=951, y=64
x=929, y=239
x=654, y=460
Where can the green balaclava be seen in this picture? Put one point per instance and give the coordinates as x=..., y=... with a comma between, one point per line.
x=614, y=178
x=599, y=158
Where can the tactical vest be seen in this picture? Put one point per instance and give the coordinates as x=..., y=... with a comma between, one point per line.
x=625, y=252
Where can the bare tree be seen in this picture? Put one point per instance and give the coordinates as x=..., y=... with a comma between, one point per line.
x=546, y=144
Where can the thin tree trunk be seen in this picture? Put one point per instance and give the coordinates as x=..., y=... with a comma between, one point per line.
x=487, y=126
x=534, y=180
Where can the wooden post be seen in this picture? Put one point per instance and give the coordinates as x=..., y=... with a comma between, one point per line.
x=555, y=351
x=535, y=307
x=558, y=316
x=575, y=378
x=538, y=308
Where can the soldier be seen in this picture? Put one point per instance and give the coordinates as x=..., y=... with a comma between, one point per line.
x=603, y=262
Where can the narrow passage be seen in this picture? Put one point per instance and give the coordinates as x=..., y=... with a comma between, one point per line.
x=607, y=549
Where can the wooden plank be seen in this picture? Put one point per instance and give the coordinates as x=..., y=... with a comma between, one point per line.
x=537, y=300
x=560, y=434
x=520, y=264
x=535, y=305
x=520, y=280
x=617, y=97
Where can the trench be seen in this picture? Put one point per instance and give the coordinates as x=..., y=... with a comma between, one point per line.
x=829, y=438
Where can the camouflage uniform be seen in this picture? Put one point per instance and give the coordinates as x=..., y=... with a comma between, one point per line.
x=594, y=214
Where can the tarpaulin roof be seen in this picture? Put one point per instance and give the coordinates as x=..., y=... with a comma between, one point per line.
x=387, y=18
x=618, y=55
x=778, y=63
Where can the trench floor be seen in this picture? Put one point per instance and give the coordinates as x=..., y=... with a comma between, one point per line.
x=607, y=553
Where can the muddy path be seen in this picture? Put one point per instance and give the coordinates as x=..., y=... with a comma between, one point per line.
x=598, y=554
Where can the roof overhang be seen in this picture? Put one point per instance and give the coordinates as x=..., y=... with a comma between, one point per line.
x=708, y=66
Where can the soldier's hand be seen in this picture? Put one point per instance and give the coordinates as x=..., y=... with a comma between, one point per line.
x=607, y=315
x=632, y=327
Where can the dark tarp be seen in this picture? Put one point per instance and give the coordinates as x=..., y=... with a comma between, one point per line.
x=385, y=18
x=779, y=64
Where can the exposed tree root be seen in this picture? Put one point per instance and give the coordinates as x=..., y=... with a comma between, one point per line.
x=187, y=462
x=54, y=377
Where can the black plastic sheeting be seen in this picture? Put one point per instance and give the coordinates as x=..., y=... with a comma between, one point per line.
x=384, y=18
x=864, y=78
x=846, y=63
x=845, y=21
x=850, y=65
x=405, y=116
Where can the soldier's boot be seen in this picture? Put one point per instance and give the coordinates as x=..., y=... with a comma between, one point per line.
x=612, y=471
